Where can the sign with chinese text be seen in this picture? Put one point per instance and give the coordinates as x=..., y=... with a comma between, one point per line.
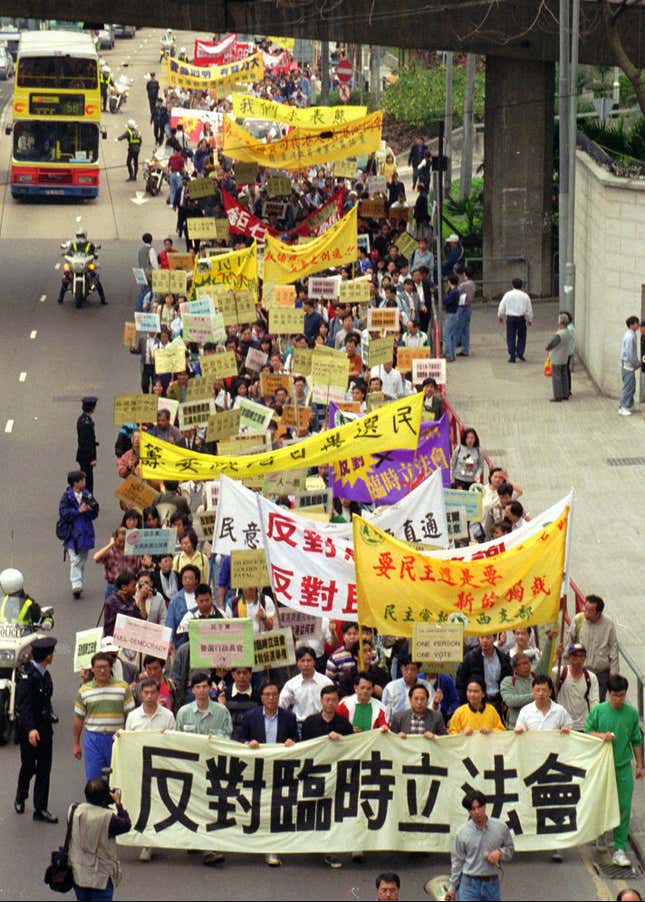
x=325, y=288
x=236, y=270
x=357, y=291
x=279, y=186
x=222, y=425
x=135, y=409
x=180, y=261
x=221, y=643
x=129, y=335
x=372, y=209
x=434, y=368
x=147, y=322
x=383, y=319
x=407, y=244
x=199, y=389
x=305, y=627
x=286, y=320
x=405, y=358
x=470, y=502
x=274, y=649
x=86, y=644
x=255, y=359
x=271, y=382
x=170, y=360
x=254, y=417
x=150, y=541
x=142, y=636
x=218, y=366
x=380, y=350
x=136, y=493
x=301, y=361
x=195, y=413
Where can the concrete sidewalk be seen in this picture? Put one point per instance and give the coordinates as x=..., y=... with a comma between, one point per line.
x=548, y=448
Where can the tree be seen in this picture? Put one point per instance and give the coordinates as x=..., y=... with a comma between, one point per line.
x=611, y=13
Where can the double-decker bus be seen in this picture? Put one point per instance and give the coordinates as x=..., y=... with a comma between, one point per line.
x=56, y=113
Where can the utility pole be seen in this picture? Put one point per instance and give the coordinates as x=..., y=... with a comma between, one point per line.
x=376, y=88
x=448, y=121
x=570, y=266
x=466, y=173
x=324, y=73
x=563, y=151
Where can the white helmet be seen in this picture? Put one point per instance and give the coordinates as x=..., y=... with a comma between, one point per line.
x=11, y=581
x=183, y=50
x=132, y=123
x=81, y=233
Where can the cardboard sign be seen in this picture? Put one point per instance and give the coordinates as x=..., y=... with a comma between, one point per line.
x=254, y=417
x=203, y=306
x=284, y=482
x=301, y=361
x=206, y=520
x=129, y=335
x=222, y=425
x=170, y=360
x=469, y=502
x=142, y=636
x=147, y=322
x=380, y=350
x=407, y=244
x=274, y=208
x=199, y=389
x=249, y=568
x=376, y=186
x=218, y=366
x=345, y=169
x=355, y=292
x=284, y=321
x=305, y=627
x=236, y=307
x=270, y=382
x=136, y=493
x=246, y=173
x=221, y=643
x=405, y=357
x=150, y=541
x=296, y=415
x=139, y=275
x=178, y=281
x=273, y=649
x=284, y=295
x=403, y=214
x=180, y=261
x=457, y=523
x=255, y=359
x=434, y=368
x=240, y=445
x=252, y=482
x=383, y=319
x=279, y=186
x=201, y=227
x=375, y=399
x=161, y=280
x=203, y=187
x=135, y=409
x=86, y=645
x=325, y=288
x=372, y=209
x=193, y=414
x=328, y=369
x=197, y=328
x=438, y=642
x=170, y=405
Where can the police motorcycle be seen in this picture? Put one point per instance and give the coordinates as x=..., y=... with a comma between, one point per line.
x=167, y=46
x=155, y=172
x=16, y=636
x=80, y=269
x=118, y=93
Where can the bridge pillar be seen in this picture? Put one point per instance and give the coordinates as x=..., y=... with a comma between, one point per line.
x=518, y=174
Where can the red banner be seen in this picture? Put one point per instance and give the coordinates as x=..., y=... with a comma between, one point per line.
x=243, y=222
x=207, y=53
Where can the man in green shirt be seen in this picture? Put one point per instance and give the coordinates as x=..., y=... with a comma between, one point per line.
x=616, y=722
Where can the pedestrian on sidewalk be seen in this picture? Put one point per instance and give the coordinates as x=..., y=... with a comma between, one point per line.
x=629, y=365
x=515, y=307
x=464, y=313
x=558, y=349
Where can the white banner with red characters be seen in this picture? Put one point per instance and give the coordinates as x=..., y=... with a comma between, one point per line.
x=207, y=53
x=310, y=570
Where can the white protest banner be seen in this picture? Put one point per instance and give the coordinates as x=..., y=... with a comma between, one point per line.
x=142, y=636
x=325, y=288
x=86, y=645
x=147, y=322
x=195, y=413
x=273, y=649
x=544, y=785
x=150, y=541
x=305, y=627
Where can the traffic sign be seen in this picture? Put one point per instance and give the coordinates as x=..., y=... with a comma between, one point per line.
x=344, y=70
x=344, y=92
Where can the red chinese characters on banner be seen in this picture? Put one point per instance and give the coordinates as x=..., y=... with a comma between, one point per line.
x=311, y=592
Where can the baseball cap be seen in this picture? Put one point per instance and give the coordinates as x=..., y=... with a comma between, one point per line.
x=109, y=645
x=576, y=649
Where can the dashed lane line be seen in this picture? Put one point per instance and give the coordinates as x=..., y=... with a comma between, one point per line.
x=33, y=334
x=22, y=377
x=9, y=426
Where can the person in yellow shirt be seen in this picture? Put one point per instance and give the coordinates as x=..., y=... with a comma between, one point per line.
x=475, y=714
x=190, y=554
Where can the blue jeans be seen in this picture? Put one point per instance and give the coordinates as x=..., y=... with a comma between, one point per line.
x=175, y=187
x=515, y=336
x=89, y=894
x=450, y=335
x=463, y=328
x=628, y=389
x=473, y=890
x=97, y=748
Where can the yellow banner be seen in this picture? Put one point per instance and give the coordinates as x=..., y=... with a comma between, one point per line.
x=394, y=425
x=398, y=587
x=236, y=271
x=285, y=263
x=304, y=147
x=247, y=107
x=201, y=78
x=287, y=43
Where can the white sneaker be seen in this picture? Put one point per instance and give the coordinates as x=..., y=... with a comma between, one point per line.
x=146, y=854
x=624, y=412
x=621, y=859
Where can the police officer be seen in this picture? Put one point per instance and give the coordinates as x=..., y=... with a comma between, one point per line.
x=16, y=605
x=87, y=444
x=133, y=136
x=183, y=56
x=82, y=245
x=34, y=691
x=105, y=80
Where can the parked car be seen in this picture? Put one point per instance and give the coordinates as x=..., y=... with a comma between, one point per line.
x=6, y=64
x=105, y=37
x=124, y=31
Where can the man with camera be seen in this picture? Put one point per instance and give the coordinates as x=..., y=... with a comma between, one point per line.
x=76, y=511
x=92, y=848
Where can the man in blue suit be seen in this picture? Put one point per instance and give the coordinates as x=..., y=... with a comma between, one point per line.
x=269, y=723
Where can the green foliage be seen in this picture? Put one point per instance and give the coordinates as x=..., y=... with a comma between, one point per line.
x=417, y=99
x=466, y=217
x=627, y=144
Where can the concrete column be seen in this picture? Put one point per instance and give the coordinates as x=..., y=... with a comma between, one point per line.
x=518, y=171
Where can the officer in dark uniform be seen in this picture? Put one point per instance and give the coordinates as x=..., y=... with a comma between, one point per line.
x=133, y=136
x=34, y=691
x=87, y=444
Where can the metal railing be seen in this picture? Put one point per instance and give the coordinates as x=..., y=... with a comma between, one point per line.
x=456, y=428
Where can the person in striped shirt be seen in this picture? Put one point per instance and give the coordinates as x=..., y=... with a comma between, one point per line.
x=101, y=706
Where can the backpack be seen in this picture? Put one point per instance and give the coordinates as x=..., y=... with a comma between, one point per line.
x=563, y=676
x=64, y=529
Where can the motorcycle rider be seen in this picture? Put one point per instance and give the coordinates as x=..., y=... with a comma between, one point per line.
x=16, y=605
x=167, y=44
x=81, y=245
x=183, y=56
x=105, y=80
x=133, y=136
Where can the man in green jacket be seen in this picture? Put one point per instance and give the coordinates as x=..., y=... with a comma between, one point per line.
x=516, y=689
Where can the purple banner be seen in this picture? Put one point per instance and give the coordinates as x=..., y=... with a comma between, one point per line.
x=386, y=477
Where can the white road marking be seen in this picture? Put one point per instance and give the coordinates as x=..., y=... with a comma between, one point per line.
x=9, y=426
x=43, y=297
x=33, y=334
x=22, y=377
x=56, y=265
x=78, y=218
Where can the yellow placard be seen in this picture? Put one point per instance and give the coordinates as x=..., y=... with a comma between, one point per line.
x=203, y=78
x=286, y=320
x=180, y=261
x=218, y=366
x=247, y=107
x=380, y=350
x=129, y=334
x=171, y=359
x=136, y=493
x=395, y=425
x=304, y=147
x=135, y=409
x=271, y=382
x=329, y=369
x=358, y=291
x=201, y=227
x=279, y=186
x=372, y=209
x=285, y=264
x=398, y=586
x=286, y=43
x=407, y=244
x=301, y=361
x=199, y=389
x=222, y=425
x=345, y=169
x=178, y=281
x=237, y=270
x=383, y=319
x=405, y=357
x=161, y=281
x=249, y=568
x=202, y=187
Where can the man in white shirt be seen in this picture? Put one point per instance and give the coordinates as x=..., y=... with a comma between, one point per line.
x=542, y=713
x=578, y=691
x=391, y=379
x=395, y=696
x=301, y=694
x=516, y=308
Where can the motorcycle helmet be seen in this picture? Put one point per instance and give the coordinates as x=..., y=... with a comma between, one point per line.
x=81, y=234
x=183, y=50
x=106, y=69
x=132, y=123
x=11, y=581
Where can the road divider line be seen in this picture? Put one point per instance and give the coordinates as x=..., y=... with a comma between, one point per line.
x=9, y=426
x=22, y=377
x=33, y=334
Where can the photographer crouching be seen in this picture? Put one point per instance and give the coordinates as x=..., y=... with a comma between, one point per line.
x=92, y=849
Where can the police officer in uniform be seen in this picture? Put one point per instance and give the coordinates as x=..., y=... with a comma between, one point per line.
x=34, y=691
x=82, y=245
x=87, y=444
x=105, y=80
x=16, y=606
x=133, y=136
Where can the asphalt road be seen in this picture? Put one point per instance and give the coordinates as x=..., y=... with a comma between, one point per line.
x=52, y=355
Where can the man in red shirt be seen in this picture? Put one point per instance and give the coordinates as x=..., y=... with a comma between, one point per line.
x=167, y=249
x=176, y=168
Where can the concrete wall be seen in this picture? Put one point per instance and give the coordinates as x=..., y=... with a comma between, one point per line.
x=610, y=266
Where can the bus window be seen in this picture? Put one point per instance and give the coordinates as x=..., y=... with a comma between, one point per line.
x=57, y=72
x=55, y=142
